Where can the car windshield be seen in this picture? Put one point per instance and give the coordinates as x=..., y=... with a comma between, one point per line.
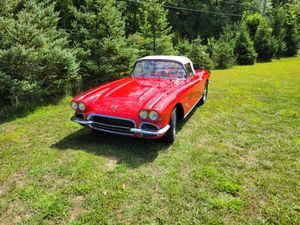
x=159, y=69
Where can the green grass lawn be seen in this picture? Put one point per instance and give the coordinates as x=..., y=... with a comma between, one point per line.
x=235, y=161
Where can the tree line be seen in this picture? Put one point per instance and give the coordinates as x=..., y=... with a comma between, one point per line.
x=50, y=48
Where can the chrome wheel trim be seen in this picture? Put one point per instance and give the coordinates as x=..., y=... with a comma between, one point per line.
x=174, y=123
x=205, y=94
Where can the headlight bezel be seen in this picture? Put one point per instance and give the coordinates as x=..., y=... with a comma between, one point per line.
x=75, y=104
x=152, y=112
x=81, y=106
x=145, y=114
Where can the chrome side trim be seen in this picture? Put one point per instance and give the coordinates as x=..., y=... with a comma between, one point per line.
x=155, y=133
x=192, y=107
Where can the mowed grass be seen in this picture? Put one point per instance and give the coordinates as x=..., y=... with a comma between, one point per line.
x=235, y=161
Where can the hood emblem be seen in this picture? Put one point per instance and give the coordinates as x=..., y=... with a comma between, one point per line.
x=114, y=106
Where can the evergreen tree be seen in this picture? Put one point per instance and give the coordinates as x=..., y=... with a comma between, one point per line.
x=252, y=22
x=264, y=43
x=98, y=33
x=277, y=21
x=183, y=47
x=34, y=58
x=291, y=36
x=244, y=49
x=199, y=55
x=155, y=29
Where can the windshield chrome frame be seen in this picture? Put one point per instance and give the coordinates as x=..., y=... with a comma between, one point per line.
x=186, y=77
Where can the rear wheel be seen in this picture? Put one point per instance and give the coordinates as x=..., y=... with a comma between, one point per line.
x=170, y=136
x=204, y=95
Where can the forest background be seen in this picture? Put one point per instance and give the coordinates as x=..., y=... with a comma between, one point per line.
x=52, y=48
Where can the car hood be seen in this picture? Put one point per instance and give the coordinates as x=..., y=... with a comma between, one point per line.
x=128, y=95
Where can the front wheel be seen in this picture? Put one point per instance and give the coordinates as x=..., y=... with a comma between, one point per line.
x=204, y=95
x=169, y=137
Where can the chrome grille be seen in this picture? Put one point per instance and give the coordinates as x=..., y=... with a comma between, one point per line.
x=112, y=124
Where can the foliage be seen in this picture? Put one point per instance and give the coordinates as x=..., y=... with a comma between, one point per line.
x=190, y=24
x=222, y=53
x=277, y=18
x=264, y=43
x=34, y=58
x=222, y=49
x=155, y=30
x=292, y=35
x=183, y=47
x=252, y=22
x=98, y=35
x=199, y=55
x=244, y=49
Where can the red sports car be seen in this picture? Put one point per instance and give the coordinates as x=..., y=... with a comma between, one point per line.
x=161, y=91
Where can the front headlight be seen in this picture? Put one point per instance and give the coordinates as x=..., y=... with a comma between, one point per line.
x=143, y=114
x=153, y=115
x=74, y=105
x=81, y=106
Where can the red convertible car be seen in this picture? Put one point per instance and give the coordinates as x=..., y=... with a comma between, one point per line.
x=161, y=91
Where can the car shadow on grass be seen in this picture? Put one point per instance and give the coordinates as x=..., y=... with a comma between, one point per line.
x=132, y=152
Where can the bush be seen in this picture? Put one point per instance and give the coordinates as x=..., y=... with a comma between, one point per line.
x=264, y=43
x=253, y=22
x=244, y=50
x=222, y=53
x=292, y=37
x=277, y=18
x=222, y=49
x=98, y=34
x=34, y=58
x=155, y=30
x=199, y=55
x=183, y=47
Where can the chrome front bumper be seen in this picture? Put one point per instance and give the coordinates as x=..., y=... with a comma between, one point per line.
x=153, y=133
x=140, y=131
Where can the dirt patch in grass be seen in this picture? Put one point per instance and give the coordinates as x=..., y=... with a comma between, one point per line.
x=9, y=128
x=77, y=210
x=111, y=163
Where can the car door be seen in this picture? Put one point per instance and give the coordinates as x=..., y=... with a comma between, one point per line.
x=194, y=86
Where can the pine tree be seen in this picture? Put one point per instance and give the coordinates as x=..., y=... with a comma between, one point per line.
x=34, y=57
x=155, y=29
x=291, y=36
x=264, y=43
x=199, y=55
x=244, y=49
x=277, y=20
x=98, y=33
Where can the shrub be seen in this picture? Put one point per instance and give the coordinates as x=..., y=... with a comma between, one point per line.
x=277, y=18
x=222, y=54
x=34, y=58
x=292, y=37
x=264, y=43
x=183, y=47
x=199, y=55
x=98, y=34
x=252, y=22
x=155, y=30
x=222, y=49
x=244, y=50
